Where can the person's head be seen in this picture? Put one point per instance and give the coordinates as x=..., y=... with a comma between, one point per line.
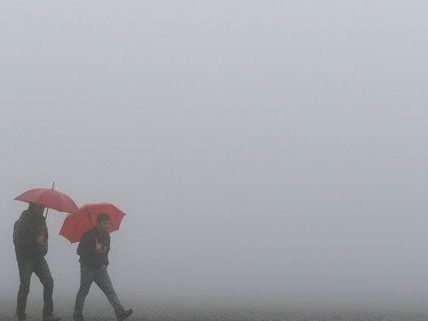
x=36, y=209
x=103, y=221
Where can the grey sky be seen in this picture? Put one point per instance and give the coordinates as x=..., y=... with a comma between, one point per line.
x=265, y=151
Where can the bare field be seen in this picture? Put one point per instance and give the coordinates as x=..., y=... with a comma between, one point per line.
x=157, y=313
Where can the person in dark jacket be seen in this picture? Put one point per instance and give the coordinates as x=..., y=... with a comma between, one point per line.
x=93, y=249
x=30, y=237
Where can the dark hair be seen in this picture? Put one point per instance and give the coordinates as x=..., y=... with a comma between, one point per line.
x=33, y=206
x=102, y=217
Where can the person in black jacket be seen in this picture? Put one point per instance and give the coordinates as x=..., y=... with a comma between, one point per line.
x=30, y=237
x=93, y=249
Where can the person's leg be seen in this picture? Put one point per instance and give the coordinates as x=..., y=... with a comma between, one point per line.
x=25, y=268
x=41, y=269
x=86, y=278
x=102, y=279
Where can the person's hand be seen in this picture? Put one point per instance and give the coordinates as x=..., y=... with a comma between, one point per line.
x=41, y=240
x=100, y=248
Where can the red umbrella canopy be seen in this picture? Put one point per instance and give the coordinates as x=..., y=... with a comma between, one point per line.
x=49, y=198
x=85, y=219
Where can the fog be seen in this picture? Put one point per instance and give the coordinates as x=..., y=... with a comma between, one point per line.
x=268, y=153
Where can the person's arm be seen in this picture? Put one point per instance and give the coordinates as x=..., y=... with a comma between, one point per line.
x=46, y=231
x=42, y=234
x=107, y=243
x=23, y=238
x=42, y=240
x=86, y=246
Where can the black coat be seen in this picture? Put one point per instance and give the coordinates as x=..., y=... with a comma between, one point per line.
x=89, y=257
x=25, y=232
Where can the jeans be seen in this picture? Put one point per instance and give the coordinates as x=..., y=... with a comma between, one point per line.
x=40, y=267
x=102, y=279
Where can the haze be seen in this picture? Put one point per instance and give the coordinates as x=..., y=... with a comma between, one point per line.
x=265, y=152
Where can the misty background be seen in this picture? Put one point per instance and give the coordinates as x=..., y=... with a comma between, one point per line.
x=265, y=152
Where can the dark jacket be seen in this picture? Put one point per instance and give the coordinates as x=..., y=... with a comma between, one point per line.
x=89, y=257
x=25, y=232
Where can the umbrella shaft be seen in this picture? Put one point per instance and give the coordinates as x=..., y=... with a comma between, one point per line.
x=47, y=209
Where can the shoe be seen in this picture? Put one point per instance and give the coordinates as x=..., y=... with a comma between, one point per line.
x=22, y=316
x=123, y=315
x=52, y=317
x=78, y=318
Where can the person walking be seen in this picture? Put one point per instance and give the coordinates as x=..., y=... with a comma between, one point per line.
x=30, y=237
x=93, y=250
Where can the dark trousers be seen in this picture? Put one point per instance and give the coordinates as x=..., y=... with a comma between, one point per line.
x=102, y=279
x=40, y=267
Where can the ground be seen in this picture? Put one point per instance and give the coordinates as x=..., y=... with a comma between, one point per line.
x=158, y=313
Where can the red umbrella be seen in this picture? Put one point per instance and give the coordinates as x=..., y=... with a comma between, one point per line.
x=49, y=198
x=85, y=219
